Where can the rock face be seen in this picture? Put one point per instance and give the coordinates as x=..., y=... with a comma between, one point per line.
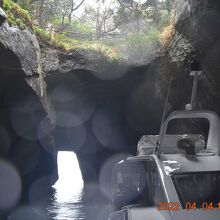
x=25, y=130
x=110, y=108
x=99, y=118
x=54, y=61
x=196, y=35
x=100, y=110
x=24, y=45
x=2, y=16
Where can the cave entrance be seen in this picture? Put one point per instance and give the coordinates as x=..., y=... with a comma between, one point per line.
x=70, y=178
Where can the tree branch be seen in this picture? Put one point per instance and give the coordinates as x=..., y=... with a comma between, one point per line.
x=112, y=29
x=78, y=5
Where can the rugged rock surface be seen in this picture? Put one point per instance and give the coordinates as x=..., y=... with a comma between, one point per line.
x=54, y=61
x=196, y=35
x=24, y=45
x=84, y=92
x=25, y=130
x=99, y=118
x=2, y=16
x=99, y=110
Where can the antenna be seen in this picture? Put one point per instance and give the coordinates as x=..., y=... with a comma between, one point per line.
x=195, y=72
x=157, y=148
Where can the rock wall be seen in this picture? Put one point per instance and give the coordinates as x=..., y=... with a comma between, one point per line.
x=97, y=109
x=26, y=143
x=86, y=89
x=99, y=118
x=196, y=35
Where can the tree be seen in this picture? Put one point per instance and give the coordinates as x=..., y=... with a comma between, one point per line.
x=69, y=6
x=102, y=17
x=48, y=9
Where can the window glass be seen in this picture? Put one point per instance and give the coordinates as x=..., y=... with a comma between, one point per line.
x=136, y=182
x=195, y=130
x=198, y=187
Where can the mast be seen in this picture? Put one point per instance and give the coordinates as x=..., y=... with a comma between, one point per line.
x=195, y=72
x=157, y=148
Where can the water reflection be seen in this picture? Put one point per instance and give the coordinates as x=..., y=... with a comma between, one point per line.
x=66, y=207
x=72, y=199
x=87, y=203
x=67, y=200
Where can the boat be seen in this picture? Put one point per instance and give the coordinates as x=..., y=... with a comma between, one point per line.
x=176, y=174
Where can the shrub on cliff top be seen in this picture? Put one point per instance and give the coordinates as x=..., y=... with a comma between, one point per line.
x=62, y=42
x=166, y=37
x=16, y=16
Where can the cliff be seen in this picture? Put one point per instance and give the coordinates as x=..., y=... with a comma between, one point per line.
x=79, y=101
x=196, y=36
x=26, y=140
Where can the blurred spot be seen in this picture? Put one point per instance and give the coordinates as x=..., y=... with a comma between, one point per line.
x=62, y=93
x=106, y=126
x=48, y=144
x=105, y=212
x=131, y=182
x=27, y=104
x=44, y=128
x=109, y=72
x=80, y=106
x=5, y=141
x=39, y=191
x=91, y=190
x=28, y=213
x=87, y=168
x=25, y=124
x=77, y=136
x=90, y=145
x=67, y=119
x=10, y=186
x=71, y=96
x=143, y=109
x=25, y=155
x=106, y=174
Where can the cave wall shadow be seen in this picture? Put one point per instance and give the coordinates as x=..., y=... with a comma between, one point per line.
x=21, y=144
x=100, y=119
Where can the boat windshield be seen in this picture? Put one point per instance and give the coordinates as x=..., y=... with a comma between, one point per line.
x=201, y=188
x=136, y=182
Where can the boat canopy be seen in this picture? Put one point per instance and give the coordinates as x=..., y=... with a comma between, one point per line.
x=168, y=142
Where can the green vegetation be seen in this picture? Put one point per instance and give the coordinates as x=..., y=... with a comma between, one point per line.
x=139, y=46
x=64, y=43
x=17, y=16
x=130, y=30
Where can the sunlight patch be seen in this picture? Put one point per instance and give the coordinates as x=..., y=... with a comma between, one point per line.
x=70, y=177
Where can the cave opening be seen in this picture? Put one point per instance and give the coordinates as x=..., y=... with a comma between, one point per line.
x=70, y=178
x=68, y=188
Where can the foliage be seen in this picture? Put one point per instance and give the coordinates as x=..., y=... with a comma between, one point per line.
x=132, y=29
x=66, y=44
x=44, y=35
x=75, y=26
x=6, y=4
x=166, y=36
x=17, y=16
x=81, y=27
x=140, y=47
x=26, y=4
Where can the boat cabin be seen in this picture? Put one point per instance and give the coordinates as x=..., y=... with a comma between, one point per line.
x=184, y=172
